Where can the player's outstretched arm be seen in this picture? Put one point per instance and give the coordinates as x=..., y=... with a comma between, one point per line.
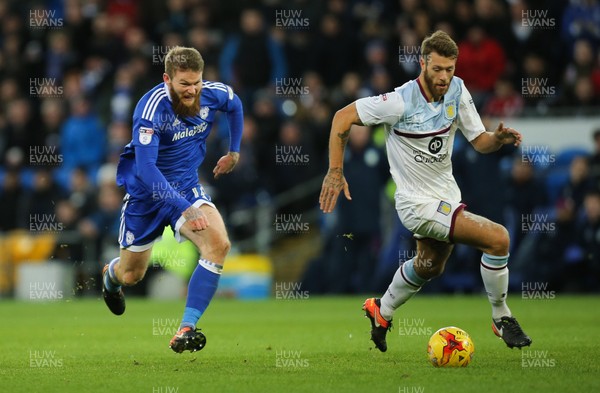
x=235, y=120
x=226, y=164
x=489, y=142
x=335, y=181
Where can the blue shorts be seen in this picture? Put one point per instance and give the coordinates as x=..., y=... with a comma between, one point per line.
x=144, y=220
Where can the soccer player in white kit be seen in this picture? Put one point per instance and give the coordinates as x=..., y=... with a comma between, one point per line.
x=421, y=118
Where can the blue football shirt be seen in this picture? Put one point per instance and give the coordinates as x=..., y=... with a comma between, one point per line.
x=177, y=143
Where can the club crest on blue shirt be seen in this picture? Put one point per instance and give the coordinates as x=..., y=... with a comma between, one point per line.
x=204, y=112
x=145, y=135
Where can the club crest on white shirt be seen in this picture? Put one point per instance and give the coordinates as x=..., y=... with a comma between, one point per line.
x=450, y=109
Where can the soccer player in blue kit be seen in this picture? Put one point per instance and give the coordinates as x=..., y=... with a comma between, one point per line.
x=159, y=170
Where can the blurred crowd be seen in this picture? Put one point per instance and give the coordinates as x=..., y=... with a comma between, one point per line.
x=71, y=72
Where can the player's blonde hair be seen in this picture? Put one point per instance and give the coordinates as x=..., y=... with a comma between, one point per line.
x=440, y=43
x=181, y=58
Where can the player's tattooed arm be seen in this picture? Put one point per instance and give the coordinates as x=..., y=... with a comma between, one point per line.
x=334, y=182
x=334, y=179
x=344, y=137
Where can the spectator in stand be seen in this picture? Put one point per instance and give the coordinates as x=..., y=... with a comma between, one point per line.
x=421, y=23
x=200, y=39
x=69, y=247
x=176, y=19
x=103, y=223
x=20, y=129
x=579, y=182
x=596, y=73
x=380, y=82
x=269, y=123
x=298, y=51
x=117, y=100
x=334, y=52
x=59, y=56
x=103, y=42
x=589, y=240
x=580, y=87
x=83, y=139
x=581, y=19
x=348, y=91
x=119, y=134
x=494, y=17
x=376, y=55
x=82, y=193
x=39, y=203
x=408, y=57
x=523, y=193
x=293, y=162
x=535, y=82
x=580, y=97
x=9, y=91
x=252, y=59
x=476, y=174
x=595, y=161
x=95, y=73
x=481, y=63
x=505, y=102
x=357, y=241
x=464, y=15
x=11, y=194
x=78, y=26
x=553, y=255
x=53, y=115
x=582, y=63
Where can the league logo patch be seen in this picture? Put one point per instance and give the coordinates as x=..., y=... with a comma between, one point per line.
x=145, y=136
x=445, y=208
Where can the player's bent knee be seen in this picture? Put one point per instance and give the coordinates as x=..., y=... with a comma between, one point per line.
x=500, y=244
x=434, y=272
x=427, y=270
x=222, y=246
x=132, y=277
x=215, y=247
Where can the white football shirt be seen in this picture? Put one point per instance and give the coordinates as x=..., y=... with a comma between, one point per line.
x=420, y=136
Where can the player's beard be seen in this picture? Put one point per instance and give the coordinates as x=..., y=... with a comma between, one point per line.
x=433, y=88
x=182, y=109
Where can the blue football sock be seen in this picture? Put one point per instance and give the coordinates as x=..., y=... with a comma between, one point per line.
x=110, y=280
x=201, y=289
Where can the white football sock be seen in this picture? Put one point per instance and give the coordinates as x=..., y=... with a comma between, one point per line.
x=404, y=285
x=494, y=272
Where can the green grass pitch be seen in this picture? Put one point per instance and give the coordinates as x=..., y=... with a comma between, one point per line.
x=319, y=344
